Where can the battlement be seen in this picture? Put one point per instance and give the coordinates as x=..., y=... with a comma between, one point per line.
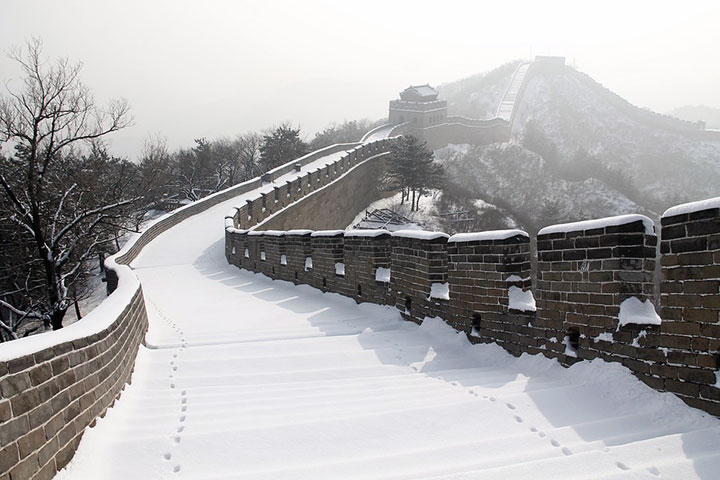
x=596, y=291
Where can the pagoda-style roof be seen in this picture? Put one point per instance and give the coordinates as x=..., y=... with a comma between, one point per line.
x=419, y=93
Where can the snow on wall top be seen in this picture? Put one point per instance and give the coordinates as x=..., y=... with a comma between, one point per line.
x=489, y=235
x=419, y=234
x=366, y=233
x=600, y=223
x=100, y=318
x=274, y=233
x=692, y=207
x=327, y=233
x=299, y=231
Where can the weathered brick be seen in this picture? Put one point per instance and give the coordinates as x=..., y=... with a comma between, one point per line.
x=13, y=430
x=9, y=457
x=31, y=442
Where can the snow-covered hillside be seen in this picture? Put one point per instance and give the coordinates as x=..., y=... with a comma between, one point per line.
x=519, y=180
x=478, y=96
x=577, y=151
x=664, y=167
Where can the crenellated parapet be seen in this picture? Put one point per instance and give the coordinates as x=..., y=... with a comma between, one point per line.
x=596, y=292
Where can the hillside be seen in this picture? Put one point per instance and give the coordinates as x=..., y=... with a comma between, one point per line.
x=478, y=96
x=661, y=166
x=577, y=151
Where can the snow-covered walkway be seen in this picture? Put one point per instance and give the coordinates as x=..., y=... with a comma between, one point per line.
x=245, y=377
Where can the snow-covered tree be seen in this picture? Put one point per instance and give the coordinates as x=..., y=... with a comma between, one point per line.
x=280, y=146
x=412, y=169
x=64, y=205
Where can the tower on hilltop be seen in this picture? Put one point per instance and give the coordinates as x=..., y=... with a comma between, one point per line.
x=418, y=105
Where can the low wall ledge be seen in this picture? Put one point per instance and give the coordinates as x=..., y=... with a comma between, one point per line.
x=419, y=234
x=692, y=207
x=486, y=236
x=600, y=223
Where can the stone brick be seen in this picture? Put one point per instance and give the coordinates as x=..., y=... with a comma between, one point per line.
x=9, y=457
x=40, y=373
x=11, y=385
x=31, y=442
x=25, y=469
x=5, y=411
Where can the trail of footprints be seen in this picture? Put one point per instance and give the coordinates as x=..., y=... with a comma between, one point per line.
x=177, y=435
x=565, y=450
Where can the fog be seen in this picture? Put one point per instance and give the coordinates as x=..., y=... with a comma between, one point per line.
x=218, y=68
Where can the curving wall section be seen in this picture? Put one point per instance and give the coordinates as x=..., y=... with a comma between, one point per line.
x=596, y=289
x=54, y=385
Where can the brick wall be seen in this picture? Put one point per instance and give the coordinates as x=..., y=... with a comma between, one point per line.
x=481, y=271
x=49, y=397
x=339, y=190
x=589, y=277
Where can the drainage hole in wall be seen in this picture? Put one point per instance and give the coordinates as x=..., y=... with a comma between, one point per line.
x=573, y=335
x=408, y=304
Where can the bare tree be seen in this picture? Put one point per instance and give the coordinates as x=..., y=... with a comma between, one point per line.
x=248, y=147
x=50, y=193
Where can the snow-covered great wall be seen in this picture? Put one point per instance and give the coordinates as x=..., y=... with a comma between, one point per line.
x=56, y=384
x=594, y=295
x=240, y=376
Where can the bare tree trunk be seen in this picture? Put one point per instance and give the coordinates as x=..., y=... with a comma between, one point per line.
x=77, y=310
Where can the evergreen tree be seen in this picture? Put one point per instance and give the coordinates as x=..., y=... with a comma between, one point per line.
x=280, y=146
x=412, y=170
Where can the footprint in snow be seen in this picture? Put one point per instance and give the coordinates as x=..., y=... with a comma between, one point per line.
x=176, y=468
x=518, y=419
x=654, y=471
x=554, y=443
x=566, y=451
x=167, y=456
x=622, y=466
x=510, y=406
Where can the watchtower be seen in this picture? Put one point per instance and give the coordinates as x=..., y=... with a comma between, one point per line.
x=419, y=105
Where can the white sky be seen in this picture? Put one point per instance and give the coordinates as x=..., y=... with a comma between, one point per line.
x=217, y=68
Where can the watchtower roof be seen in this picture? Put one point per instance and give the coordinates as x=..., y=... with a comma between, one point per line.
x=419, y=93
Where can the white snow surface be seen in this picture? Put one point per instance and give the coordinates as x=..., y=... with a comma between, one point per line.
x=326, y=233
x=419, y=234
x=242, y=377
x=339, y=268
x=382, y=274
x=692, y=207
x=633, y=310
x=489, y=235
x=521, y=300
x=600, y=223
x=365, y=233
x=440, y=291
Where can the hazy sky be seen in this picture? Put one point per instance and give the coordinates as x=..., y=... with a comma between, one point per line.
x=217, y=68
